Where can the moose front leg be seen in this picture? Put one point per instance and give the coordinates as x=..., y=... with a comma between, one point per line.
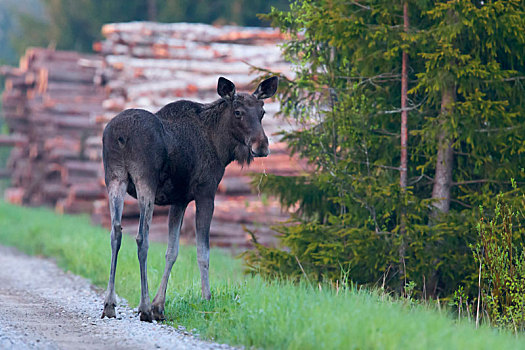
x=174, y=224
x=203, y=219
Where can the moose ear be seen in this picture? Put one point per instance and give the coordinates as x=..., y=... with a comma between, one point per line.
x=225, y=88
x=267, y=88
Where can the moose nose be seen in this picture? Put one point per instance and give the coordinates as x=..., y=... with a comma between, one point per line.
x=260, y=147
x=261, y=152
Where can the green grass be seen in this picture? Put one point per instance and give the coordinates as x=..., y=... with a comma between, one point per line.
x=245, y=310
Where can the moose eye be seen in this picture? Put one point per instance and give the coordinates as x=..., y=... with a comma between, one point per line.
x=238, y=114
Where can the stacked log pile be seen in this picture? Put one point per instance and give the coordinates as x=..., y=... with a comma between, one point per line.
x=57, y=103
x=49, y=103
x=149, y=65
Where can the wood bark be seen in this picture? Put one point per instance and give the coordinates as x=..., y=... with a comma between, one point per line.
x=48, y=107
x=445, y=155
x=152, y=10
x=404, y=112
x=404, y=139
x=13, y=140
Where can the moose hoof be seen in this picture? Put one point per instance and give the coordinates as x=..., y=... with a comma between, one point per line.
x=158, y=313
x=109, y=311
x=146, y=316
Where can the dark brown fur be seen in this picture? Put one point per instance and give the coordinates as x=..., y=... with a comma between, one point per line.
x=172, y=157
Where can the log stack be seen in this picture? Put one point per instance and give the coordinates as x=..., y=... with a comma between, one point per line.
x=59, y=102
x=149, y=65
x=50, y=103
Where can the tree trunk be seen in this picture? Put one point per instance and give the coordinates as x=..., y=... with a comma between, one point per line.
x=445, y=156
x=152, y=10
x=443, y=174
x=404, y=138
x=404, y=88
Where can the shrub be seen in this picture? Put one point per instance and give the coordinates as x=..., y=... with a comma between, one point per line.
x=500, y=253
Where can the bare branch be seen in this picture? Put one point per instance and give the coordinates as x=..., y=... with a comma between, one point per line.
x=380, y=78
x=413, y=181
x=377, y=165
x=461, y=203
x=394, y=111
x=360, y=5
x=469, y=182
x=385, y=132
x=501, y=129
x=406, y=108
x=506, y=79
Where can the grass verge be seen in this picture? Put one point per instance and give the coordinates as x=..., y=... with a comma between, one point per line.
x=245, y=310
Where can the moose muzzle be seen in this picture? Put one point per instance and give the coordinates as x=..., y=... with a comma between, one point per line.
x=260, y=147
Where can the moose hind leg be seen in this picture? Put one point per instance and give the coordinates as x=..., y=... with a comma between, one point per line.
x=174, y=224
x=146, y=202
x=116, y=192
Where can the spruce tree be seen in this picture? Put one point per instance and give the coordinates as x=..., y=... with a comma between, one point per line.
x=465, y=117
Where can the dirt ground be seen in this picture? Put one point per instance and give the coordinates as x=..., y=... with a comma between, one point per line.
x=42, y=307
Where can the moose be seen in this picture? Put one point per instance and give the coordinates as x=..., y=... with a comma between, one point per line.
x=173, y=157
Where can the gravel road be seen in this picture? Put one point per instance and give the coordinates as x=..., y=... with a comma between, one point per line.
x=42, y=307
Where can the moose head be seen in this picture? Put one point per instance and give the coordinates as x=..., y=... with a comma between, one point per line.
x=245, y=112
